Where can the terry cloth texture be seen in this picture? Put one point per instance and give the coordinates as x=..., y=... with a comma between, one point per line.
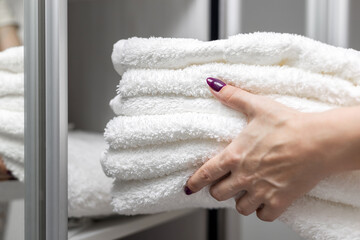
x=168, y=123
x=88, y=187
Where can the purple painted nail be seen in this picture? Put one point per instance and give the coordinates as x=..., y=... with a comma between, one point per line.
x=215, y=83
x=187, y=191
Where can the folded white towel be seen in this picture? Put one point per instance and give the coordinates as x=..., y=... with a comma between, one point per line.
x=12, y=123
x=151, y=156
x=322, y=220
x=12, y=59
x=12, y=103
x=310, y=217
x=139, y=131
x=255, y=49
x=167, y=193
x=89, y=190
x=11, y=84
x=191, y=82
x=160, y=105
x=12, y=148
x=155, y=144
x=160, y=160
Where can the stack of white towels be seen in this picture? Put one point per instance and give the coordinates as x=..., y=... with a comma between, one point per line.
x=12, y=110
x=88, y=187
x=169, y=123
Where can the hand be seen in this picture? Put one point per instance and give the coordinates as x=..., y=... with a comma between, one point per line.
x=281, y=154
x=8, y=37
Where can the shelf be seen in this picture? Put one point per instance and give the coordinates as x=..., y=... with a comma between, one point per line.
x=10, y=190
x=122, y=226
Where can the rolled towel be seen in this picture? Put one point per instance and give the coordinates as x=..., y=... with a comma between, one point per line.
x=191, y=82
x=12, y=59
x=277, y=49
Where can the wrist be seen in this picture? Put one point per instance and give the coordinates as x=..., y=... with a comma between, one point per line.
x=336, y=137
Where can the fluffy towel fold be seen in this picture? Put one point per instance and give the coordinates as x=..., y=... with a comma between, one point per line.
x=139, y=131
x=160, y=105
x=309, y=216
x=88, y=187
x=11, y=84
x=166, y=193
x=12, y=123
x=12, y=59
x=254, y=49
x=169, y=123
x=191, y=82
x=322, y=220
x=12, y=103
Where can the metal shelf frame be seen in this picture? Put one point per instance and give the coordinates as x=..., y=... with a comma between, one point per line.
x=45, y=119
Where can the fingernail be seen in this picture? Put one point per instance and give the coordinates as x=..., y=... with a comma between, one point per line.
x=187, y=191
x=215, y=83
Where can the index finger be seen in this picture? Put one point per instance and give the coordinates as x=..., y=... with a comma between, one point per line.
x=209, y=172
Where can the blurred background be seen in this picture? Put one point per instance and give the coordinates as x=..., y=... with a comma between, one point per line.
x=95, y=25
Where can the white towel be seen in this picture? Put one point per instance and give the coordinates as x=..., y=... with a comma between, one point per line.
x=167, y=127
x=89, y=190
x=178, y=142
x=166, y=193
x=12, y=59
x=88, y=187
x=139, y=131
x=12, y=103
x=11, y=84
x=160, y=105
x=12, y=123
x=148, y=146
x=310, y=217
x=267, y=80
x=322, y=220
x=254, y=49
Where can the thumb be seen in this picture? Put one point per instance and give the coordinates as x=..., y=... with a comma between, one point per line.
x=234, y=97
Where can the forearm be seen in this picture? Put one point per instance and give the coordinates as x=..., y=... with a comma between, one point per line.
x=337, y=135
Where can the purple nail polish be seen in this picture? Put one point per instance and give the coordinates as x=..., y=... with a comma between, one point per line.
x=215, y=83
x=187, y=190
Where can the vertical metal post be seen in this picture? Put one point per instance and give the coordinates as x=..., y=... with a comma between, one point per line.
x=45, y=119
x=56, y=118
x=230, y=17
x=328, y=20
x=35, y=155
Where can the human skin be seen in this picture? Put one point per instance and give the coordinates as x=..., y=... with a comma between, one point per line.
x=280, y=155
x=8, y=37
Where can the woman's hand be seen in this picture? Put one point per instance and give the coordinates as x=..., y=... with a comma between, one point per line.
x=281, y=154
x=8, y=37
